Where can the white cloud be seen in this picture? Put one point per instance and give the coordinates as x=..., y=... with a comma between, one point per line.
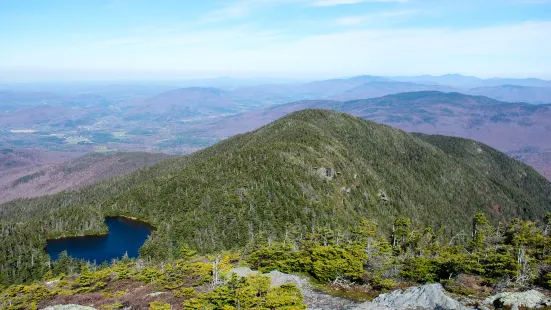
x=376, y=18
x=341, y=2
x=509, y=50
x=242, y=8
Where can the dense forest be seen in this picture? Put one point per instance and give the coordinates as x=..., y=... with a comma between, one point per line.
x=360, y=263
x=309, y=171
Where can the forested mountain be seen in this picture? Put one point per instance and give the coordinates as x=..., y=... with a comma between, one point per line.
x=88, y=169
x=308, y=170
x=431, y=112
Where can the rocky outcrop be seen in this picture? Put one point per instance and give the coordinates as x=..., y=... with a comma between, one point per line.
x=243, y=271
x=327, y=173
x=313, y=298
x=528, y=299
x=69, y=307
x=427, y=297
x=383, y=196
x=424, y=297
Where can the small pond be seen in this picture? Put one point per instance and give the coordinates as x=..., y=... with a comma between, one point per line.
x=125, y=236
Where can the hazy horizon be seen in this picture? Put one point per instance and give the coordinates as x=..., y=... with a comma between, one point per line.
x=313, y=39
x=256, y=80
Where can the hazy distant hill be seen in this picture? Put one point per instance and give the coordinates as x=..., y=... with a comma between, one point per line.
x=466, y=82
x=46, y=179
x=452, y=80
x=16, y=100
x=379, y=89
x=183, y=103
x=26, y=158
x=515, y=93
x=134, y=118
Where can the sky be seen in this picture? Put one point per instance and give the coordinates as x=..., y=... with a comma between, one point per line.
x=47, y=40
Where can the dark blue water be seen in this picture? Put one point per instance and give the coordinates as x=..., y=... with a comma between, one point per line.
x=125, y=236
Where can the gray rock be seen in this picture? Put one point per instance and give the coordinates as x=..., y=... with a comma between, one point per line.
x=383, y=196
x=243, y=271
x=327, y=173
x=314, y=299
x=422, y=297
x=69, y=307
x=51, y=284
x=530, y=299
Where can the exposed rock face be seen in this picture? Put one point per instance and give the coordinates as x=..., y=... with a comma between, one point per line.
x=69, y=307
x=323, y=172
x=383, y=195
x=422, y=297
x=529, y=299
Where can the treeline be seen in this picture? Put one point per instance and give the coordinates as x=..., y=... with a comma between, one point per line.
x=503, y=255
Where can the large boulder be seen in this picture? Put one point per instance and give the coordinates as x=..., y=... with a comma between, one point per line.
x=430, y=296
x=529, y=299
x=69, y=307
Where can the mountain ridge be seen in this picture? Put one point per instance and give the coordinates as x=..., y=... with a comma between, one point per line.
x=456, y=114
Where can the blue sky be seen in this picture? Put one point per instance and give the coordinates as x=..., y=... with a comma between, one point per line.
x=73, y=39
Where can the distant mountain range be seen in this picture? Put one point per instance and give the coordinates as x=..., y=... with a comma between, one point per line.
x=23, y=108
x=182, y=117
x=379, y=89
x=181, y=104
x=462, y=81
x=515, y=93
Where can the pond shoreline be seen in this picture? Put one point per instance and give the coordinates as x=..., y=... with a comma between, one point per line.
x=102, y=234
x=120, y=235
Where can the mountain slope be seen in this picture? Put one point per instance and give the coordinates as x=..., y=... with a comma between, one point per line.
x=268, y=178
x=79, y=172
x=515, y=93
x=313, y=168
x=431, y=112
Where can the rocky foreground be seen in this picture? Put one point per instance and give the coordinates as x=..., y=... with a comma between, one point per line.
x=424, y=297
x=430, y=296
